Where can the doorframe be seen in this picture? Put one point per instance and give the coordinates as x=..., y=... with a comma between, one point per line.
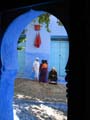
x=59, y=38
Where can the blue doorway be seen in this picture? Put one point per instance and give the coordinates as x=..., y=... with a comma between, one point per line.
x=59, y=52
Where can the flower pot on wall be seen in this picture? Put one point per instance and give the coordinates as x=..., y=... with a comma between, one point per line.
x=37, y=27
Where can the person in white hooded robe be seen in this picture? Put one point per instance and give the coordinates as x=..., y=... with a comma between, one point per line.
x=36, y=66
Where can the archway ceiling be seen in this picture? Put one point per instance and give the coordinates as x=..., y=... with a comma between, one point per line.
x=5, y=5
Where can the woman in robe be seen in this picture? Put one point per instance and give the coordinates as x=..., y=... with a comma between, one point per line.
x=43, y=71
x=52, y=76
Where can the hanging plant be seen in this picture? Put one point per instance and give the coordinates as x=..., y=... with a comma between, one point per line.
x=45, y=19
x=37, y=27
x=22, y=39
x=20, y=48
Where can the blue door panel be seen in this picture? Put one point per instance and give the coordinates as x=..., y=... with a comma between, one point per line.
x=59, y=56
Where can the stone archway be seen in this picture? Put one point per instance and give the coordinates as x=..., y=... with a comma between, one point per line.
x=10, y=62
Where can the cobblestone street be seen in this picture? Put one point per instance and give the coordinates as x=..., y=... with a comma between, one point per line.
x=31, y=110
x=39, y=101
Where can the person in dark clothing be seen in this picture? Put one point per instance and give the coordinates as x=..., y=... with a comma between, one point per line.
x=43, y=71
x=52, y=77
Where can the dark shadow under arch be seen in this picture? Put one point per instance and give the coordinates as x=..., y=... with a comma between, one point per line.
x=74, y=17
x=7, y=68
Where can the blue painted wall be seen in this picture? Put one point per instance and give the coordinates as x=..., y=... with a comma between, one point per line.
x=9, y=57
x=43, y=52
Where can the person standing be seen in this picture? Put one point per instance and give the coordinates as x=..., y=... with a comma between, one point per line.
x=36, y=66
x=43, y=71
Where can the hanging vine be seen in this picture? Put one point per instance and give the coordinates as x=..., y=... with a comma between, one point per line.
x=22, y=39
x=43, y=19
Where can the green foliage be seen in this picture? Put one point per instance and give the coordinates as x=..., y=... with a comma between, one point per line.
x=59, y=22
x=20, y=48
x=44, y=19
x=22, y=39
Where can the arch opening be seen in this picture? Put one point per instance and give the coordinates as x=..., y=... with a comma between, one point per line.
x=56, y=41
x=9, y=57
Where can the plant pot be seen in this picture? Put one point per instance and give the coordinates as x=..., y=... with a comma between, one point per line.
x=37, y=27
